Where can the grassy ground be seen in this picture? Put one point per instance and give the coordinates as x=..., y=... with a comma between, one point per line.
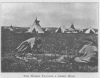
x=52, y=43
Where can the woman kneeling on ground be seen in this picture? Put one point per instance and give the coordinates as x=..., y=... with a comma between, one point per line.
x=29, y=46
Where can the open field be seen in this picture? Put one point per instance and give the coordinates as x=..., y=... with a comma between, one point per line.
x=51, y=43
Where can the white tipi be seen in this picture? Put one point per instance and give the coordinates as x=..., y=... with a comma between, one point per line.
x=36, y=27
x=46, y=29
x=90, y=31
x=80, y=30
x=60, y=30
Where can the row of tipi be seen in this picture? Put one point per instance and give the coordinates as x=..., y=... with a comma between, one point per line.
x=36, y=28
x=70, y=30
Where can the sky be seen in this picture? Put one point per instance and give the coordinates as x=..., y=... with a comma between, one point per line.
x=54, y=14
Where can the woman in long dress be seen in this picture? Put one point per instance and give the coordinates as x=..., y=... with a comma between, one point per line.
x=29, y=45
x=89, y=50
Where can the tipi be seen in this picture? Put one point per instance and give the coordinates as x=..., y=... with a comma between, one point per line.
x=36, y=27
x=46, y=29
x=90, y=31
x=60, y=30
x=72, y=29
x=11, y=28
x=80, y=30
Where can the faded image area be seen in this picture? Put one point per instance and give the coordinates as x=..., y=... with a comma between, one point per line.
x=49, y=37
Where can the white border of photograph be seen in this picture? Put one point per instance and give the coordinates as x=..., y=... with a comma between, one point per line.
x=55, y=75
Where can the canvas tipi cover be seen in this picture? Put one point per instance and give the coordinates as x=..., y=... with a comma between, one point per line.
x=81, y=31
x=46, y=29
x=60, y=30
x=11, y=28
x=72, y=28
x=90, y=31
x=36, y=27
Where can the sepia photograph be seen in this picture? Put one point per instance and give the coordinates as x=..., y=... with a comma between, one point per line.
x=49, y=37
